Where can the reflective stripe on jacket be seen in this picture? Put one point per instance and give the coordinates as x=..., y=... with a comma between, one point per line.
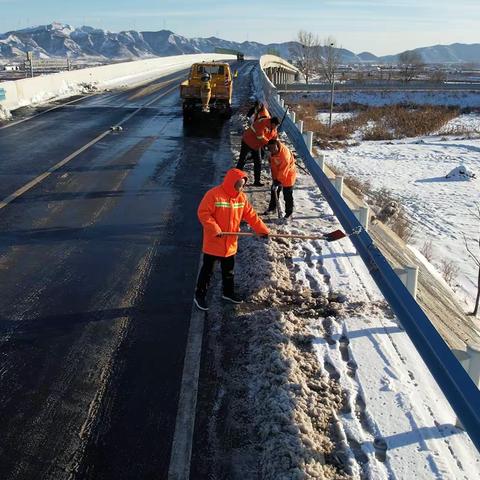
x=257, y=135
x=221, y=210
x=283, y=166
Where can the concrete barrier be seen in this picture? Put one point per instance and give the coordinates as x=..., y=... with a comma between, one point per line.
x=36, y=90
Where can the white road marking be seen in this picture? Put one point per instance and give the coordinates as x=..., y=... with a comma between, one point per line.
x=44, y=175
x=180, y=457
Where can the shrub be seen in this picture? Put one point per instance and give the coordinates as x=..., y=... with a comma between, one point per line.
x=449, y=271
x=383, y=123
x=427, y=250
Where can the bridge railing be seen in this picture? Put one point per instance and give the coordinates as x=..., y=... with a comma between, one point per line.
x=459, y=389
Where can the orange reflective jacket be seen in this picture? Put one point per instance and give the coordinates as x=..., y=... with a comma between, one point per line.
x=262, y=113
x=283, y=166
x=221, y=210
x=257, y=135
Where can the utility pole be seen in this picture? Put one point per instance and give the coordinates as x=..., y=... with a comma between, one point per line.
x=332, y=89
x=30, y=62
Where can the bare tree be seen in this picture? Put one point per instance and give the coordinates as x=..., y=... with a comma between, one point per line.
x=411, y=64
x=305, y=53
x=328, y=62
x=329, y=59
x=476, y=259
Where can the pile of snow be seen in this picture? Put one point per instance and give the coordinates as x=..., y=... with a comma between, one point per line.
x=293, y=398
x=461, y=173
x=4, y=114
x=464, y=123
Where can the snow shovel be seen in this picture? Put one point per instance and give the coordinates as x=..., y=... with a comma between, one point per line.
x=328, y=237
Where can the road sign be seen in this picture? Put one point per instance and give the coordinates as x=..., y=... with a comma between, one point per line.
x=3, y=95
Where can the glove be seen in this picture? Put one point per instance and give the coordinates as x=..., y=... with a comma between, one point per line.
x=276, y=184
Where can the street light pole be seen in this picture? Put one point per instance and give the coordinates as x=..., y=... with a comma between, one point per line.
x=332, y=89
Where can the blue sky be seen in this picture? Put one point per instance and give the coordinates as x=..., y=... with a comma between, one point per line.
x=381, y=27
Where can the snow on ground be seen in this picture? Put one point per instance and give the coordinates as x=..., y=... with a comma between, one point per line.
x=390, y=97
x=442, y=210
x=324, y=117
x=390, y=394
x=468, y=123
x=4, y=114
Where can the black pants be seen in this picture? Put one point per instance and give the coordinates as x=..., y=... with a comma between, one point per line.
x=257, y=161
x=227, y=264
x=287, y=196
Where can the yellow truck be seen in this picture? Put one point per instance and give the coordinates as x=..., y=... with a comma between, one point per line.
x=208, y=89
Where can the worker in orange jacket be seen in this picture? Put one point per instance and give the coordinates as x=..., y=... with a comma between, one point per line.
x=221, y=210
x=259, y=110
x=254, y=138
x=284, y=174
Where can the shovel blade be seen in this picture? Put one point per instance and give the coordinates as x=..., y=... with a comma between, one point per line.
x=335, y=235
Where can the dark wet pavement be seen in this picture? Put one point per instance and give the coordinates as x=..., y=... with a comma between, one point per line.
x=97, y=270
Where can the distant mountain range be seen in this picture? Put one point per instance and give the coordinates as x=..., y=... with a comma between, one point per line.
x=59, y=40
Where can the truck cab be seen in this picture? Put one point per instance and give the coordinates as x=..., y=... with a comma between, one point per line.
x=221, y=87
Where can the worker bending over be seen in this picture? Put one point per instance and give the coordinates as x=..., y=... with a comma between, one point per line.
x=258, y=111
x=254, y=138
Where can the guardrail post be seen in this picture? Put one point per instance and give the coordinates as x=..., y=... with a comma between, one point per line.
x=362, y=214
x=412, y=280
x=470, y=361
x=299, y=125
x=282, y=103
x=338, y=184
x=320, y=161
x=292, y=116
x=473, y=352
x=409, y=277
x=308, y=137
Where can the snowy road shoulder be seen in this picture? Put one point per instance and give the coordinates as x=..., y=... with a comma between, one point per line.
x=390, y=393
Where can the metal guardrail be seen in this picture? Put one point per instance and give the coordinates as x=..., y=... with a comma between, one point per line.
x=460, y=391
x=2, y=94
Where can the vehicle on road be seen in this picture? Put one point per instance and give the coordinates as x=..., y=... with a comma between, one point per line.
x=192, y=91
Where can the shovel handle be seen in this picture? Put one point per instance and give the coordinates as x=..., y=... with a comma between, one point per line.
x=276, y=235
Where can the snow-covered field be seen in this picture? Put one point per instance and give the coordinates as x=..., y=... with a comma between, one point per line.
x=388, y=97
x=442, y=210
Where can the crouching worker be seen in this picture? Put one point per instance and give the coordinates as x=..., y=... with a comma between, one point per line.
x=284, y=174
x=221, y=210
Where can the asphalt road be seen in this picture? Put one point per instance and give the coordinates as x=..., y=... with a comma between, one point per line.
x=97, y=270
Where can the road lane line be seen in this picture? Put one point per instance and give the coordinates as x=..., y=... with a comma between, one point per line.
x=180, y=457
x=182, y=445
x=46, y=174
x=10, y=198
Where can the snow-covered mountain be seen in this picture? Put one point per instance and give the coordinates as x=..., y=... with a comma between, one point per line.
x=59, y=40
